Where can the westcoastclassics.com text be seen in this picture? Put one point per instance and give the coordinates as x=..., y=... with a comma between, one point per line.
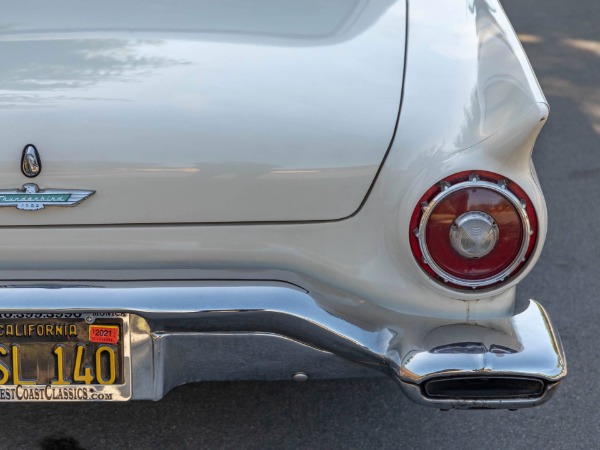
x=52, y=393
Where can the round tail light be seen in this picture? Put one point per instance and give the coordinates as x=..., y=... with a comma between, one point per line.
x=473, y=230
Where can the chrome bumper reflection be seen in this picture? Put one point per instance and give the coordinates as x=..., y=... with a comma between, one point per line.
x=234, y=332
x=520, y=361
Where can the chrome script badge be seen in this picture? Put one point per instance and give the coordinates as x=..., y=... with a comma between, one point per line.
x=32, y=198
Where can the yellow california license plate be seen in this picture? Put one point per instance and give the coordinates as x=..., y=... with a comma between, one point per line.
x=64, y=357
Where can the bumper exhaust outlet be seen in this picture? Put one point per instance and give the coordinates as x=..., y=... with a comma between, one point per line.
x=482, y=388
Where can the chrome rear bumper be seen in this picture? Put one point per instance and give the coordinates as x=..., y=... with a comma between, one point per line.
x=234, y=332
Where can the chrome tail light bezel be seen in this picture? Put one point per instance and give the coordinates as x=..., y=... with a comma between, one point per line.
x=466, y=180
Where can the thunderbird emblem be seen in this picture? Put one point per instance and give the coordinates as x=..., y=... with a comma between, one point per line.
x=32, y=198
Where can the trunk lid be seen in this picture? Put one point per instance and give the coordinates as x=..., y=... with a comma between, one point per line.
x=200, y=112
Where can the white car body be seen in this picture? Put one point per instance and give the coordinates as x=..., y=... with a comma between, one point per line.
x=261, y=160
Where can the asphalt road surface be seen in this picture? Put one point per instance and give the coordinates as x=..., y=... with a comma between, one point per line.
x=562, y=39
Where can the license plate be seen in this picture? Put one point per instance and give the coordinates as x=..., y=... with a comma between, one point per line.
x=65, y=357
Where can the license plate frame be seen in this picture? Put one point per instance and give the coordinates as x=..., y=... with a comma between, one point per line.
x=74, y=391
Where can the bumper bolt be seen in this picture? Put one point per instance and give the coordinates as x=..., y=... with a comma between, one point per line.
x=299, y=377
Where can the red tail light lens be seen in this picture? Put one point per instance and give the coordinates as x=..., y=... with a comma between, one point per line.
x=473, y=230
